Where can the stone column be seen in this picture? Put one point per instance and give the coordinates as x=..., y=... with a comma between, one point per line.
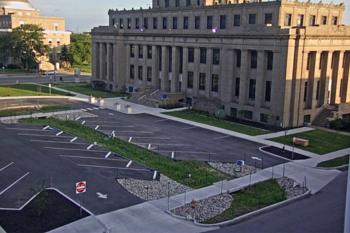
x=127, y=78
x=316, y=78
x=196, y=71
x=109, y=62
x=175, y=70
x=165, y=69
x=226, y=77
x=144, y=63
x=328, y=79
x=102, y=61
x=260, y=71
x=347, y=78
x=155, y=67
x=243, y=77
x=339, y=77
x=96, y=61
x=185, y=70
x=209, y=72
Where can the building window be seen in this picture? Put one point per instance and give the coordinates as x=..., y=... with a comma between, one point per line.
x=202, y=81
x=264, y=117
x=252, y=87
x=190, y=80
x=145, y=23
x=129, y=23
x=177, y=3
x=216, y=56
x=248, y=114
x=268, y=86
x=268, y=19
x=170, y=59
x=181, y=60
x=238, y=57
x=132, y=51
x=305, y=90
x=197, y=22
x=237, y=86
x=140, y=73
x=269, y=60
x=188, y=2
x=121, y=23
x=149, y=73
x=300, y=20
x=174, y=22
x=324, y=20
x=307, y=118
x=252, y=18
x=237, y=20
x=165, y=22
x=149, y=52
x=312, y=20
x=140, y=51
x=222, y=21
x=334, y=20
x=253, y=59
x=215, y=83
x=209, y=22
x=190, y=55
x=185, y=26
x=203, y=55
x=132, y=71
x=155, y=23
x=137, y=23
x=166, y=3
x=288, y=20
x=309, y=58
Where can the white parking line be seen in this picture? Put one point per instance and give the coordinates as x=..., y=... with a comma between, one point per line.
x=129, y=164
x=188, y=128
x=42, y=135
x=58, y=142
x=97, y=127
x=222, y=137
x=111, y=114
x=83, y=123
x=74, y=139
x=96, y=108
x=11, y=185
x=108, y=154
x=77, y=119
x=46, y=127
x=84, y=110
x=130, y=139
x=90, y=146
x=149, y=147
x=154, y=175
x=8, y=165
x=90, y=109
x=59, y=133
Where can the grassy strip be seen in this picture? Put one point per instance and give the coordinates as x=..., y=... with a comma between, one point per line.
x=248, y=200
x=201, y=174
x=321, y=142
x=27, y=90
x=205, y=118
x=337, y=162
x=86, y=89
x=28, y=111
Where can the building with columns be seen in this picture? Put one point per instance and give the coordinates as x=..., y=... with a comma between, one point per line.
x=281, y=62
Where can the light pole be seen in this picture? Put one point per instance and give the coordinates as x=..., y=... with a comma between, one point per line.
x=256, y=159
x=347, y=206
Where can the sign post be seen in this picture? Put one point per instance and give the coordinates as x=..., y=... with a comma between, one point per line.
x=80, y=187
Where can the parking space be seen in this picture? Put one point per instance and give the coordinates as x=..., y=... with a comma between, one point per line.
x=178, y=140
x=48, y=157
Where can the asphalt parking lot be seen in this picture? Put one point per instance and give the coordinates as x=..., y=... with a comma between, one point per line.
x=33, y=158
x=182, y=141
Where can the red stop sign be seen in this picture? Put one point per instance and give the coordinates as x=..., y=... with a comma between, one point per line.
x=80, y=187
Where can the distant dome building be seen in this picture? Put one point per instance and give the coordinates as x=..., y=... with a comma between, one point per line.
x=17, y=5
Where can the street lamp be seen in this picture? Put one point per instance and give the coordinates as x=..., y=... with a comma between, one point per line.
x=256, y=159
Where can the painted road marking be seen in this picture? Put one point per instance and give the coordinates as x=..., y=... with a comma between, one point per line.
x=155, y=175
x=95, y=108
x=173, y=155
x=129, y=164
x=108, y=154
x=59, y=133
x=84, y=110
x=78, y=118
x=83, y=123
x=11, y=185
x=74, y=139
x=92, y=145
x=149, y=147
x=102, y=196
x=46, y=127
x=97, y=127
x=8, y=165
x=130, y=139
x=90, y=109
x=111, y=114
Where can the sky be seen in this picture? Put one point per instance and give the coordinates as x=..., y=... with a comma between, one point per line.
x=83, y=15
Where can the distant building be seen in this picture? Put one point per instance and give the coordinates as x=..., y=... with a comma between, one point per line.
x=283, y=63
x=14, y=13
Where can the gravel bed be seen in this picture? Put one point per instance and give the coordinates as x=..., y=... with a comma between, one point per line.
x=205, y=209
x=292, y=188
x=233, y=169
x=156, y=189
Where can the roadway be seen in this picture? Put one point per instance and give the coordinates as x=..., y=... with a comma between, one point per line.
x=35, y=78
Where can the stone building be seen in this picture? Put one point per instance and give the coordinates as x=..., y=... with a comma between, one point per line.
x=283, y=63
x=14, y=13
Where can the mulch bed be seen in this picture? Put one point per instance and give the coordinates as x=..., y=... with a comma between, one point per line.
x=46, y=212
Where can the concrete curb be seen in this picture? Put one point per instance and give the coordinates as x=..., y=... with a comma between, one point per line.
x=272, y=154
x=245, y=216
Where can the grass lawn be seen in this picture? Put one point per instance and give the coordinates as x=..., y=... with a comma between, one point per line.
x=321, y=141
x=84, y=68
x=16, y=71
x=86, y=89
x=27, y=90
x=202, y=174
x=202, y=117
x=341, y=161
x=28, y=111
x=256, y=197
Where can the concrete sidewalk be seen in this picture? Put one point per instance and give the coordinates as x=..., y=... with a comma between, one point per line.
x=285, y=132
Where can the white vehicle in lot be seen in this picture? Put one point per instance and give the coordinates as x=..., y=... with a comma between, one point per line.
x=50, y=73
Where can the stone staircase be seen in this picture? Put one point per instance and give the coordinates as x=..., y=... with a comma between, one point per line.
x=329, y=112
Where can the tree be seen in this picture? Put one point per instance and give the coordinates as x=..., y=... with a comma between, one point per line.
x=27, y=43
x=5, y=48
x=80, y=49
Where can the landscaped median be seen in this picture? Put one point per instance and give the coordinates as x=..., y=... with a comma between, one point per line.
x=31, y=110
x=227, y=208
x=321, y=141
x=28, y=90
x=334, y=163
x=201, y=174
x=205, y=118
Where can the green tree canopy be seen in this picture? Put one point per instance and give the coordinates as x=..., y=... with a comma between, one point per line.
x=80, y=49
